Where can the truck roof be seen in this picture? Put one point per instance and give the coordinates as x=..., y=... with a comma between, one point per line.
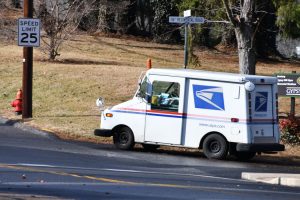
x=209, y=75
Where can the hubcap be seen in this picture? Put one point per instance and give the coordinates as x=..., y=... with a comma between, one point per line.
x=215, y=147
x=123, y=138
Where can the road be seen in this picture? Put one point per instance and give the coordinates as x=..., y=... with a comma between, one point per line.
x=45, y=167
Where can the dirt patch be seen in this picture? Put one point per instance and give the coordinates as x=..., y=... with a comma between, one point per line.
x=75, y=61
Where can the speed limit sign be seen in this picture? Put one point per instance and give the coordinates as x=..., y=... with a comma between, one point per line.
x=29, y=32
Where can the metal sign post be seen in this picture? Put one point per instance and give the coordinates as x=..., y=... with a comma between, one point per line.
x=186, y=20
x=186, y=54
x=186, y=14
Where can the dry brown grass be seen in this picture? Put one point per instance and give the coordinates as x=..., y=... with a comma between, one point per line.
x=64, y=91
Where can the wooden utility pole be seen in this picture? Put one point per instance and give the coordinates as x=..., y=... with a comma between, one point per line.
x=27, y=67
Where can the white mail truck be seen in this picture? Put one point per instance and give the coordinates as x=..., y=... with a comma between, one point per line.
x=220, y=113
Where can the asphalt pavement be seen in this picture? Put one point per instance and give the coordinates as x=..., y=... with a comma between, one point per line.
x=35, y=163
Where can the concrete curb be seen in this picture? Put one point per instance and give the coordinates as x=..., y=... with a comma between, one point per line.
x=292, y=180
x=22, y=126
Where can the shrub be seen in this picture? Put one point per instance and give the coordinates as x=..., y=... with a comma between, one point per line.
x=290, y=131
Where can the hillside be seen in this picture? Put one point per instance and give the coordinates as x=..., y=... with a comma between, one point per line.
x=64, y=91
x=91, y=66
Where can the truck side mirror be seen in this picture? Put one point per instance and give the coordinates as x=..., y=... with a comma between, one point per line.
x=148, y=98
x=100, y=102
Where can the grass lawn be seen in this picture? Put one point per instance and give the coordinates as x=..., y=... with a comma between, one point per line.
x=64, y=91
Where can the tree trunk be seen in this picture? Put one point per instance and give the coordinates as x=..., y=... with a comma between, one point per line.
x=246, y=51
x=102, y=17
x=52, y=52
x=244, y=27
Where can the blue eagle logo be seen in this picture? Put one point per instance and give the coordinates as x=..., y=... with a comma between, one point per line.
x=261, y=102
x=208, y=97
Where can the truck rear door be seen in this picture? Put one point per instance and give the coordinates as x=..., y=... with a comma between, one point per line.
x=262, y=114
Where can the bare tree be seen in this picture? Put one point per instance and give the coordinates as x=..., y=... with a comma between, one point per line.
x=103, y=22
x=6, y=3
x=242, y=15
x=8, y=12
x=114, y=15
x=60, y=19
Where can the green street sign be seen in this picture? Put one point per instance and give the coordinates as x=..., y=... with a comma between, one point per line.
x=288, y=84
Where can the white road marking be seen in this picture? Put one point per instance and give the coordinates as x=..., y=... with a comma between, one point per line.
x=128, y=171
x=32, y=165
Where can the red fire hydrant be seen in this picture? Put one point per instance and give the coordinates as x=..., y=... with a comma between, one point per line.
x=17, y=103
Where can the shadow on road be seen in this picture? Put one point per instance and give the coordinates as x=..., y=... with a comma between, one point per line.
x=271, y=159
x=10, y=122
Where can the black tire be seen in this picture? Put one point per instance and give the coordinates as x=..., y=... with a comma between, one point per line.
x=150, y=147
x=215, y=147
x=244, y=156
x=123, y=138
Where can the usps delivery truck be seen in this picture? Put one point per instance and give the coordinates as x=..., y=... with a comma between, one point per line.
x=220, y=113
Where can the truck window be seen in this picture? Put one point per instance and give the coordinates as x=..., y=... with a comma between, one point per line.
x=165, y=96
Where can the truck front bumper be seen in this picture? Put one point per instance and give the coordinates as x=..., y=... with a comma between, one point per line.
x=259, y=147
x=103, y=132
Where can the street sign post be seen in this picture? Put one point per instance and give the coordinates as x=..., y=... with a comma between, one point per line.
x=186, y=20
x=189, y=20
x=28, y=32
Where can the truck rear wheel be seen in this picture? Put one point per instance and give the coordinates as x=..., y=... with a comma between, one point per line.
x=123, y=138
x=215, y=147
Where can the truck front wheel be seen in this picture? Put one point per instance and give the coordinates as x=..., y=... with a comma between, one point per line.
x=123, y=138
x=215, y=147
